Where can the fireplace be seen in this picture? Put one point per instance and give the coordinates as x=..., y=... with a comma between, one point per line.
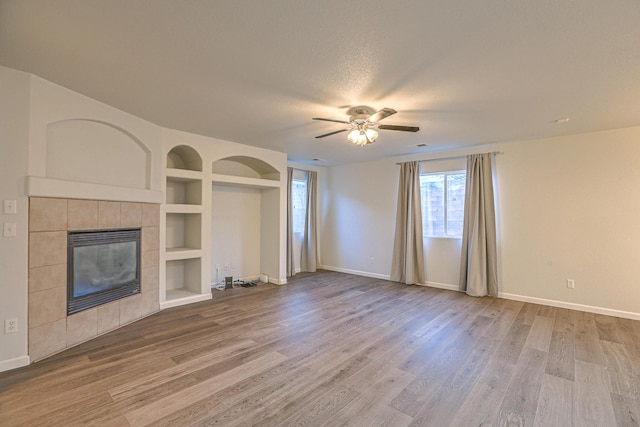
x=102, y=266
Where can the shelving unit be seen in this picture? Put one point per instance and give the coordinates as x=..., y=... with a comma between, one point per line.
x=183, y=228
x=235, y=174
x=183, y=279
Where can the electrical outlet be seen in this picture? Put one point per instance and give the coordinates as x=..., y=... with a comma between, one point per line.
x=10, y=207
x=10, y=325
x=9, y=229
x=571, y=284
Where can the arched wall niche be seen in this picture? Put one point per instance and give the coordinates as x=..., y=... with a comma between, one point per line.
x=246, y=166
x=94, y=151
x=184, y=157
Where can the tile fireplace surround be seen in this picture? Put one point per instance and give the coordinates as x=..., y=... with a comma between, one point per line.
x=50, y=329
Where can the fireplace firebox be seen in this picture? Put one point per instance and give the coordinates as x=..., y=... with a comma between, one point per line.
x=102, y=266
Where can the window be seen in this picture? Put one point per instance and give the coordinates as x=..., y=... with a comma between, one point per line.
x=299, y=204
x=442, y=196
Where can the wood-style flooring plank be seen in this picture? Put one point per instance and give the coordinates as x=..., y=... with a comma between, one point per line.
x=521, y=399
x=555, y=402
x=587, y=342
x=335, y=349
x=539, y=336
x=592, y=403
x=561, y=360
x=626, y=410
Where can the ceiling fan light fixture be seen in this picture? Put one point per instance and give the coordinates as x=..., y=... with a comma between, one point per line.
x=362, y=136
x=363, y=124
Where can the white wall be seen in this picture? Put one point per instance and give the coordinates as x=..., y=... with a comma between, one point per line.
x=61, y=118
x=14, y=145
x=235, y=232
x=568, y=208
x=359, y=217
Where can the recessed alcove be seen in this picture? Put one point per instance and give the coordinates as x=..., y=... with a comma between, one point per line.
x=245, y=207
x=97, y=152
x=245, y=166
x=184, y=157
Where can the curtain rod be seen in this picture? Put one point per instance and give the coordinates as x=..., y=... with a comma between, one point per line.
x=454, y=157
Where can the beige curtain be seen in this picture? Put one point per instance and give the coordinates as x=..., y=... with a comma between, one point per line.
x=309, y=259
x=479, y=265
x=407, y=265
x=291, y=266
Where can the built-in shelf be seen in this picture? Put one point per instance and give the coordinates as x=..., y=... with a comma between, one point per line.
x=36, y=186
x=244, y=181
x=184, y=282
x=183, y=209
x=183, y=231
x=183, y=174
x=184, y=275
x=182, y=253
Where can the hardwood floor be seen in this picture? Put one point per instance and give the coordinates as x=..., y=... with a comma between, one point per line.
x=335, y=349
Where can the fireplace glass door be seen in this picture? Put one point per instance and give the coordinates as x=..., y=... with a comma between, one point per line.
x=103, y=266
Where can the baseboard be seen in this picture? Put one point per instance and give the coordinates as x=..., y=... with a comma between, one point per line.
x=356, y=272
x=505, y=295
x=17, y=362
x=571, y=306
x=445, y=286
x=277, y=281
x=185, y=300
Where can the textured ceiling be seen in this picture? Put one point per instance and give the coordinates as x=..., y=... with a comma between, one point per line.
x=255, y=72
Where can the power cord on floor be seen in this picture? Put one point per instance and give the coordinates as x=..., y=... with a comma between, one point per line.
x=220, y=286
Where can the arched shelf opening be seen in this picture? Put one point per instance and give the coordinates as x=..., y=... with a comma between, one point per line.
x=184, y=157
x=247, y=167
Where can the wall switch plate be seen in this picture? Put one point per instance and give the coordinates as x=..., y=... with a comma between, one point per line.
x=9, y=229
x=571, y=284
x=11, y=326
x=10, y=207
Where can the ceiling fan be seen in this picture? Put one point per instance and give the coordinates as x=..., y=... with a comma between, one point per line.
x=363, y=122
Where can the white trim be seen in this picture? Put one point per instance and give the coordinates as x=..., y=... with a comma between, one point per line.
x=446, y=286
x=277, y=282
x=356, y=272
x=522, y=298
x=185, y=300
x=571, y=306
x=36, y=186
x=16, y=362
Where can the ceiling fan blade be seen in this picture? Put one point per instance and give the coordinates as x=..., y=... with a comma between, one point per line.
x=330, y=120
x=402, y=128
x=385, y=112
x=332, y=133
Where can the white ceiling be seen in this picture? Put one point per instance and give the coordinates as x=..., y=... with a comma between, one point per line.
x=255, y=71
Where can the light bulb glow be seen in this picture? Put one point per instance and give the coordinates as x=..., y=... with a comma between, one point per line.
x=362, y=136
